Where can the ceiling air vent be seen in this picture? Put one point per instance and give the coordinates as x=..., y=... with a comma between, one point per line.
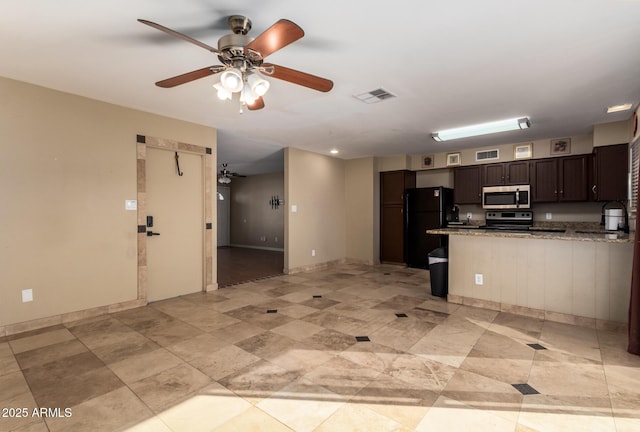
x=374, y=96
x=487, y=155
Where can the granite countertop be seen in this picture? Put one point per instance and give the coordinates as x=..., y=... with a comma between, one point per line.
x=571, y=233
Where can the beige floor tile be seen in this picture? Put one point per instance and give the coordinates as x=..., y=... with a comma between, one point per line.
x=169, y=386
x=561, y=413
x=571, y=340
x=128, y=345
x=449, y=343
x=623, y=381
x=493, y=396
x=40, y=340
x=225, y=361
x=153, y=424
x=237, y=332
x=21, y=398
x=429, y=374
x=550, y=378
x=298, y=330
x=50, y=353
x=356, y=418
x=116, y=410
x=302, y=405
x=253, y=420
x=8, y=363
x=267, y=345
x=342, y=376
x=200, y=346
x=301, y=358
x=144, y=365
x=203, y=412
x=626, y=414
x=296, y=310
x=372, y=355
x=403, y=402
x=259, y=380
x=453, y=416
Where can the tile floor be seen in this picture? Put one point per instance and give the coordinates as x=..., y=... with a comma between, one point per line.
x=220, y=362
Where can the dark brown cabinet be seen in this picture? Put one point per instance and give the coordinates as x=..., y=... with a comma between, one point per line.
x=561, y=179
x=610, y=177
x=393, y=185
x=508, y=173
x=544, y=180
x=467, y=185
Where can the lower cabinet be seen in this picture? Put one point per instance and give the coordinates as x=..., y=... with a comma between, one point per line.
x=392, y=234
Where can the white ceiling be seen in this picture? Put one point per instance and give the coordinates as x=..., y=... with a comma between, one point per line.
x=450, y=63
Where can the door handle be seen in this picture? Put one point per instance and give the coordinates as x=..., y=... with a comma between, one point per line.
x=151, y=233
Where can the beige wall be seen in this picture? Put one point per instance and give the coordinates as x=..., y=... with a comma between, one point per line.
x=360, y=209
x=612, y=133
x=316, y=185
x=252, y=217
x=68, y=164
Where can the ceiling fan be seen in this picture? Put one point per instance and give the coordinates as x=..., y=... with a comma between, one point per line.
x=242, y=59
x=225, y=175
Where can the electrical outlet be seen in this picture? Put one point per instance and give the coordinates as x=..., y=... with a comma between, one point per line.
x=549, y=216
x=479, y=279
x=276, y=240
x=313, y=252
x=27, y=295
x=469, y=215
x=263, y=238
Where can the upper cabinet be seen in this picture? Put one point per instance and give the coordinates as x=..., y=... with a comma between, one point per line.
x=611, y=166
x=560, y=179
x=467, y=186
x=508, y=173
x=393, y=184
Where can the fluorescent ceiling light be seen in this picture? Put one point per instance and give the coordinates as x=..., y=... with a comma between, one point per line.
x=334, y=151
x=482, y=129
x=618, y=108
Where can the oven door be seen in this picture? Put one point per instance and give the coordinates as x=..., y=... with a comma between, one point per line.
x=506, y=197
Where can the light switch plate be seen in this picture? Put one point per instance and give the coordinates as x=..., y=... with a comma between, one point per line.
x=294, y=208
x=549, y=216
x=479, y=279
x=131, y=205
x=27, y=295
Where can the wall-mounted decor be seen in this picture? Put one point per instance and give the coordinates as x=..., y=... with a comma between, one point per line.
x=561, y=146
x=453, y=159
x=427, y=161
x=523, y=151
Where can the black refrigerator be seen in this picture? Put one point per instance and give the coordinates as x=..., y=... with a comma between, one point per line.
x=425, y=208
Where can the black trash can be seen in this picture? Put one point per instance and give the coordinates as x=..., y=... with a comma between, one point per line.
x=439, y=271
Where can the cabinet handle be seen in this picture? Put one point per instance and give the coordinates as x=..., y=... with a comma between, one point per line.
x=555, y=192
x=594, y=189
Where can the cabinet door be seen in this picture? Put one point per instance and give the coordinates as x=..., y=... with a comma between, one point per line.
x=393, y=184
x=517, y=173
x=466, y=183
x=392, y=187
x=611, y=172
x=493, y=174
x=544, y=180
x=573, y=178
x=392, y=234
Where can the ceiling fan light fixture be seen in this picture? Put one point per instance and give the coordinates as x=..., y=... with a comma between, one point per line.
x=246, y=96
x=482, y=129
x=231, y=80
x=223, y=94
x=224, y=180
x=258, y=85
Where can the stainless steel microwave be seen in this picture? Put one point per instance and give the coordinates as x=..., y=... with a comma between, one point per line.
x=506, y=197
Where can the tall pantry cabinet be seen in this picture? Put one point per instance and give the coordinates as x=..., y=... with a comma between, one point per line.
x=393, y=185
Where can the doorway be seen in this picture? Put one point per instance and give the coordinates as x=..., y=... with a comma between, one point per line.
x=160, y=189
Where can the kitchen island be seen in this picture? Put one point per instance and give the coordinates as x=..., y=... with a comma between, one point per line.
x=576, y=276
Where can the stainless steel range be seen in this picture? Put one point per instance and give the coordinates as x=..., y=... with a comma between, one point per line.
x=514, y=220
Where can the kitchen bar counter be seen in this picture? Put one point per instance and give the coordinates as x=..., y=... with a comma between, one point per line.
x=568, y=234
x=577, y=276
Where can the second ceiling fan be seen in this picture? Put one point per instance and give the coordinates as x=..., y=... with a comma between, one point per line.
x=242, y=59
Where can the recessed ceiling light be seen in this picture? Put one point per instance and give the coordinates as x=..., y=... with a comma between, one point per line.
x=334, y=151
x=618, y=108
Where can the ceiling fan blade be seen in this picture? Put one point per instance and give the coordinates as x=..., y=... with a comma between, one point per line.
x=257, y=104
x=179, y=35
x=297, y=77
x=189, y=76
x=278, y=36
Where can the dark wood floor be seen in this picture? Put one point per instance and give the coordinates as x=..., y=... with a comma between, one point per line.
x=236, y=264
